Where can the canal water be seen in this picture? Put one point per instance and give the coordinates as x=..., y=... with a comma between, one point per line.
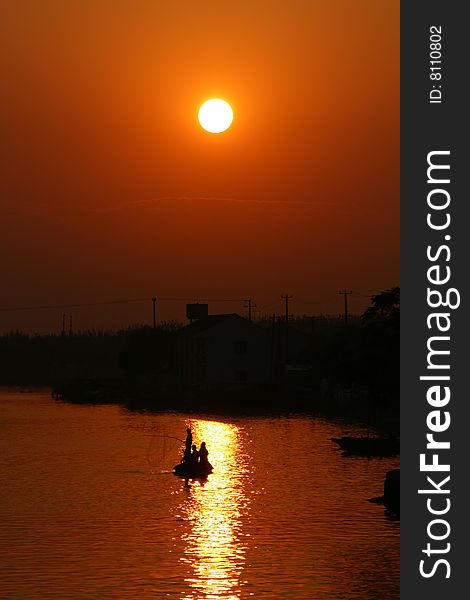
x=90, y=509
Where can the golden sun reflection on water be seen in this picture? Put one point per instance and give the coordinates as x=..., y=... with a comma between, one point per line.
x=214, y=549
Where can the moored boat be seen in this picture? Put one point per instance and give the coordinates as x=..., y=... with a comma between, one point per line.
x=369, y=446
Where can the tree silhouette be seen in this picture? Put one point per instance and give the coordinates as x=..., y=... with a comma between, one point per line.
x=385, y=305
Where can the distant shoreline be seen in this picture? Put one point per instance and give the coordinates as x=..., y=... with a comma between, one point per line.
x=256, y=403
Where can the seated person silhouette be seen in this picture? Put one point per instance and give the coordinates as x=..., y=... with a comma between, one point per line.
x=203, y=454
x=193, y=459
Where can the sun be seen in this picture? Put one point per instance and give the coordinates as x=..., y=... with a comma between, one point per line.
x=215, y=115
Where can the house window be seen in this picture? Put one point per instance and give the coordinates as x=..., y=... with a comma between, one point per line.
x=241, y=376
x=241, y=347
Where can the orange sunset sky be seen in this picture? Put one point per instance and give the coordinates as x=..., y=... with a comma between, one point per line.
x=110, y=189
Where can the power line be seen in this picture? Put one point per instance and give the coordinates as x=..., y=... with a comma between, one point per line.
x=265, y=306
x=163, y=299
x=109, y=302
x=76, y=305
x=204, y=299
x=323, y=301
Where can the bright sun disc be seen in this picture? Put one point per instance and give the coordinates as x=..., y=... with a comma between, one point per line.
x=215, y=115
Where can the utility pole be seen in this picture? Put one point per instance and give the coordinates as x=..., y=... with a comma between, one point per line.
x=313, y=324
x=154, y=308
x=287, y=298
x=70, y=325
x=274, y=349
x=63, y=323
x=251, y=304
x=345, y=293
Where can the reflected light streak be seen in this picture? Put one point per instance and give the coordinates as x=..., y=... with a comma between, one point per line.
x=213, y=546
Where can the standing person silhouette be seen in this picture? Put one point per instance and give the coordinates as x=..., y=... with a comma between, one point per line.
x=188, y=444
x=189, y=439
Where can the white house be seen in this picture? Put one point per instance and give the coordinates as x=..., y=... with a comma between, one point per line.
x=223, y=351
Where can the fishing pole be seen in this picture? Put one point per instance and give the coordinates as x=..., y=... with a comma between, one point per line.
x=171, y=437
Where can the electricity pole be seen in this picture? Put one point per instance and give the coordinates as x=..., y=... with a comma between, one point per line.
x=154, y=308
x=287, y=298
x=345, y=293
x=251, y=304
x=70, y=325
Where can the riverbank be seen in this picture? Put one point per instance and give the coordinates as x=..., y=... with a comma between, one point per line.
x=255, y=401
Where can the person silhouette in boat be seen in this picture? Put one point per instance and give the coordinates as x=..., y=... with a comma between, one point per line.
x=189, y=439
x=203, y=454
x=187, y=447
x=194, y=457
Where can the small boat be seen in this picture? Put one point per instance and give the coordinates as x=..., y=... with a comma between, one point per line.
x=189, y=471
x=369, y=446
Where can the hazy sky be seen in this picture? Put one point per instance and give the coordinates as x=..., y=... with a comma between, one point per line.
x=110, y=189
